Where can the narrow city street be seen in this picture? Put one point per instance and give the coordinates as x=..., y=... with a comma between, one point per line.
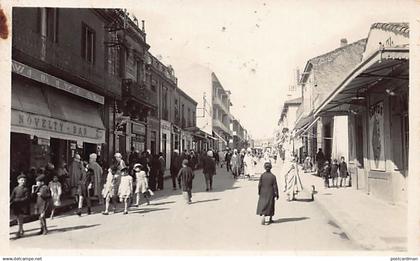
x=223, y=219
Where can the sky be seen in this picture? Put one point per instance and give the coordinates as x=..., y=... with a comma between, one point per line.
x=254, y=47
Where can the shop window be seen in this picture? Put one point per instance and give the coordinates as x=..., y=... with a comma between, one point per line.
x=88, y=43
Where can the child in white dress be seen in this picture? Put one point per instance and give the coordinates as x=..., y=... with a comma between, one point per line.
x=141, y=184
x=125, y=190
x=55, y=187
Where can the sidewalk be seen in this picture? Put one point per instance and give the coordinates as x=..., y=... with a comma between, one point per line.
x=66, y=205
x=370, y=222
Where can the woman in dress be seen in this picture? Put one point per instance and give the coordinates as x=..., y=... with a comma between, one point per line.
x=267, y=192
x=141, y=184
x=294, y=184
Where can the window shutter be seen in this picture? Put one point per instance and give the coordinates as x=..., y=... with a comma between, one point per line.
x=83, y=42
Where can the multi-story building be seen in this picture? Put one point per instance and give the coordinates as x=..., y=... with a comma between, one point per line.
x=63, y=93
x=187, y=109
x=212, y=120
x=163, y=80
x=239, y=136
x=138, y=108
x=221, y=113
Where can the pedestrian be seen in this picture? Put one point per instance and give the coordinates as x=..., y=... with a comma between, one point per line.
x=294, y=183
x=185, y=180
x=326, y=171
x=75, y=171
x=85, y=190
x=56, y=191
x=267, y=193
x=110, y=190
x=216, y=157
x=228, y=158
x=162, y=168
x=125, y=190
x=154, y=172
x=248, y=164
x=43, y=198
x=235, y=162
x=97, y=176
x=320, y=159
x=209, y=170
x=141, y=184
x=343, y=172
x=19, y=203
x=175, y=167
x=334, y=173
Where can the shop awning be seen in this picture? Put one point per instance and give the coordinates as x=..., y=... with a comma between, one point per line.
x=383, y=64
x=51, y=114
x=304, y=121
x=312, y=123
x=220, y=137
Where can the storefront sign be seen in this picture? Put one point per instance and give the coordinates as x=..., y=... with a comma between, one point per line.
x=376, y=136
x=137, y=128
x=55, y=82
x=38, y=122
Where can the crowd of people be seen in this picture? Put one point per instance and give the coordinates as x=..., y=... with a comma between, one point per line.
x=126, y=183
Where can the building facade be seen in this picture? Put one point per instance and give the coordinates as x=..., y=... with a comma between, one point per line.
x=63, y=94
x=163, y=80
x=374, y=96
x=221, y=114
x=321, y=75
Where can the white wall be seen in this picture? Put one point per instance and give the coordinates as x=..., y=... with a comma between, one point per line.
x=340, y=144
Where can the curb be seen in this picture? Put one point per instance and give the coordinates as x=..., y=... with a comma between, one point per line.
x=372, y=243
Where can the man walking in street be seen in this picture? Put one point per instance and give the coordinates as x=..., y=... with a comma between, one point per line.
x=175, y=167
x=228, y=157
x=320, y=159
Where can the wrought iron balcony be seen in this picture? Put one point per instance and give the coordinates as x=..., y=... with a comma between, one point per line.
x=219, y=124
x=139, y=92
x=35, y=47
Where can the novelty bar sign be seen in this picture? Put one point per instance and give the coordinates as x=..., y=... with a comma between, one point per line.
x=38, y=122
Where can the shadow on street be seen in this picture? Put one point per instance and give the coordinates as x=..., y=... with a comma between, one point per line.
x=284, y=220
x=203, y=201
x=58, y=230
x=146, y=210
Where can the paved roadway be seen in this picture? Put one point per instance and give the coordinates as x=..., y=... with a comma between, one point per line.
x=223, y=219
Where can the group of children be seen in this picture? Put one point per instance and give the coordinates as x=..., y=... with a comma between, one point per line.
x=337, y=172
x=21, y=197
x=119, y=184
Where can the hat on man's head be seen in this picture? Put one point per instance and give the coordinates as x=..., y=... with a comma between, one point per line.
x=118, y=155
x=40, y=178
x=185, y=162
x=21, y=176
x=93, y=156
x=137, y=166
x=210, y=153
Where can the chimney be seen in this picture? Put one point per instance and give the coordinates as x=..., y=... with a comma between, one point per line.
x=343, y=42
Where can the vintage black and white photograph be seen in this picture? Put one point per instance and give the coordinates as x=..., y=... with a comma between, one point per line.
x=248, y=127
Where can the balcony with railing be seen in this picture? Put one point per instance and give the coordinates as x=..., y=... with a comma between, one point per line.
x=139, y=92
x=219, y=102
x=219, y=124
x=29, y=45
